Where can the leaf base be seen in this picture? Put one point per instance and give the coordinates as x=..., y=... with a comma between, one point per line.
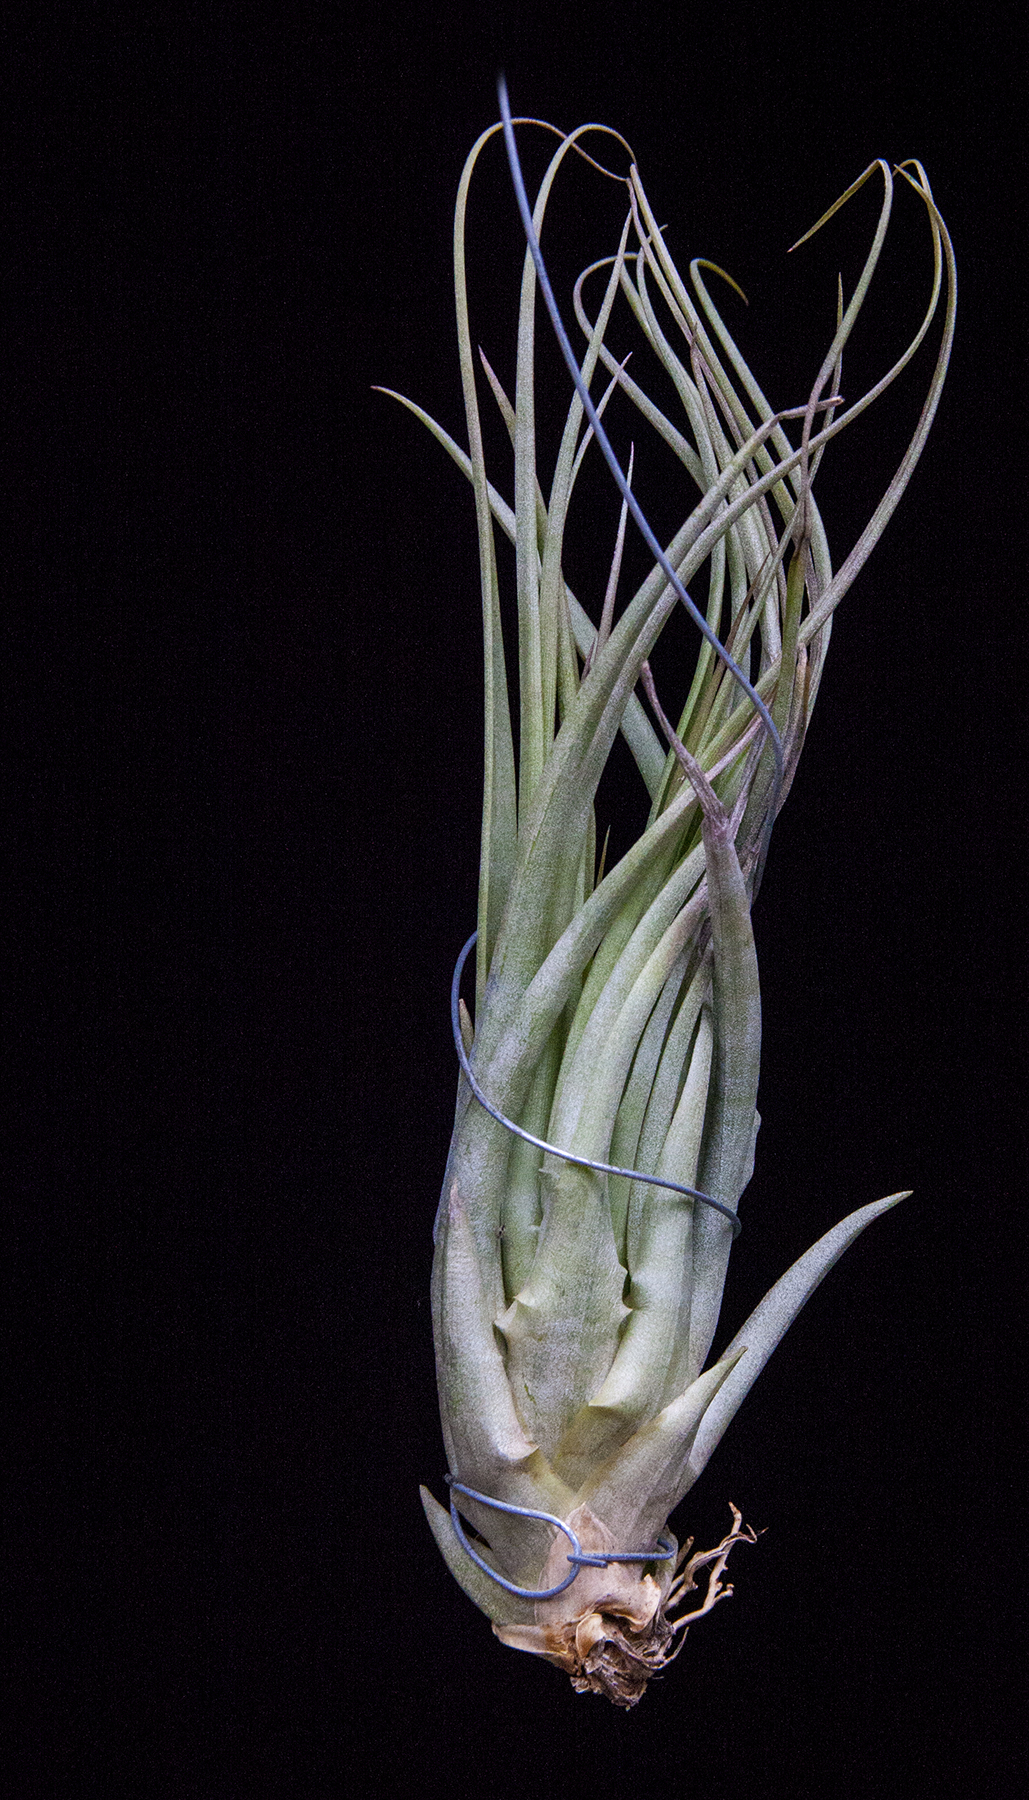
x=618, y=1640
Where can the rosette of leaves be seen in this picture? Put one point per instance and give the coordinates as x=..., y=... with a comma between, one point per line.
x=617, y=1010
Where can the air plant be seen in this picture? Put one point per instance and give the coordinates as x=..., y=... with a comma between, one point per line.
x=606, y=1110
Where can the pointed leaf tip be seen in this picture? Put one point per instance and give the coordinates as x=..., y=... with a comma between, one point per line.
x=772, y=1318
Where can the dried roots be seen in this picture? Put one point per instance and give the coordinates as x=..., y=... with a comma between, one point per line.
x=618, y=1641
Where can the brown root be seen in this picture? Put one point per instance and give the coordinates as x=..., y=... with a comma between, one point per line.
x=621, y=1633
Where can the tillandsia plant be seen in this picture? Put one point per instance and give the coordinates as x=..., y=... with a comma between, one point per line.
x=606, y=1110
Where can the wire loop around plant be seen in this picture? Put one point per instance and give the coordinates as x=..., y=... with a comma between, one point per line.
x=577, y=1556
x=582, y=1162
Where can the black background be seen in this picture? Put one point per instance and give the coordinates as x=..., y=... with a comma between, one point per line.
x=243, y=697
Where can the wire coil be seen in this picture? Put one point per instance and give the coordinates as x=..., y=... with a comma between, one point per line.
x=577, y=1556
x=582, y=1162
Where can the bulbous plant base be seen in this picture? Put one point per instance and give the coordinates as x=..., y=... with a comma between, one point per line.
x=617, y=1631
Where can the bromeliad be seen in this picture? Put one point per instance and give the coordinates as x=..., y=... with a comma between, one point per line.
x=606, y=1112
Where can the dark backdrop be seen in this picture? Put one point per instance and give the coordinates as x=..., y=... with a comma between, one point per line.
x=242, y=670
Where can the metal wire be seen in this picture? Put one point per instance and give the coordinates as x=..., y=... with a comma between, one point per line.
x=582, y=1162
x=578, y=1557
x=623, y=485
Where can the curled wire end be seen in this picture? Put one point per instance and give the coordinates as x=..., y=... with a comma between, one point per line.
x=582, y=1162
x=577, y=1556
